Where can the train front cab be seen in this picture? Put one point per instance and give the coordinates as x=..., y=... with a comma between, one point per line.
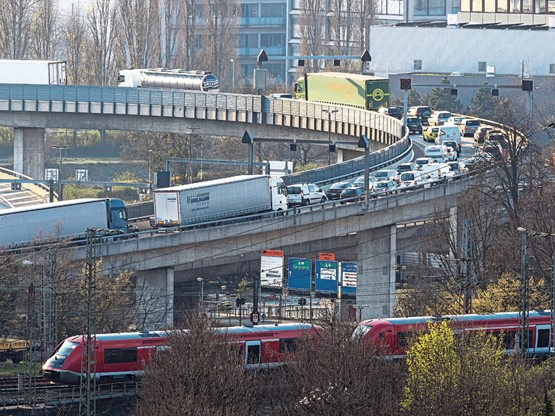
x=378, y=334
x=58, y=367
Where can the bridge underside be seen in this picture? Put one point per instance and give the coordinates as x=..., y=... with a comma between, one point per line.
x=375, y=251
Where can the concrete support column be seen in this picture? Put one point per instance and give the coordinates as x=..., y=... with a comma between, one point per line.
x=376, y=258
x=28, y=152
x=154, y=293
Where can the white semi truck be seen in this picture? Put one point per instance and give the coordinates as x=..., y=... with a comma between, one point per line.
x=218, y=199
x=61, y=219
x=32, y=72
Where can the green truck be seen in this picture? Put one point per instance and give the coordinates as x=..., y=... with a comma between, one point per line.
x=361, y=91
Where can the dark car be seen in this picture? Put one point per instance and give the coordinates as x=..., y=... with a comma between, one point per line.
x=414, y=125
x=334, y=191
x=352, y=194
x=423, y=112
x=497, y=137
x=396, y=112
x=480, y=134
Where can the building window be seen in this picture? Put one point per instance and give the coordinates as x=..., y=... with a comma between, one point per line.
x=489, y=6
x=421, y=8
x=477, y=6
x=272, y=10
x=552, y=68
x=514, y=6
x=550, y=6
x=249, y=10
x=248, y=41
x=272, y=39
x=482, y=66
x=539, y=6
x=430, y=8
x=418, y=65
x=502, y=6
x=455, y=6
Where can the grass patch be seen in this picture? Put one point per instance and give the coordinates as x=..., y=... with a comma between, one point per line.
x=9, y=369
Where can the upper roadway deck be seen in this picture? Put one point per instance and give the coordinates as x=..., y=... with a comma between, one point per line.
x=172, y=111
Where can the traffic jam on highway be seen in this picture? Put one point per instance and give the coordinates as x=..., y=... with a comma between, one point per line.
x=442, y=151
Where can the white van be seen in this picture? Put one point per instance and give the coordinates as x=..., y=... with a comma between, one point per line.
x=436, y=171
x=438, y=152
x=413, y=179
x=449, y=133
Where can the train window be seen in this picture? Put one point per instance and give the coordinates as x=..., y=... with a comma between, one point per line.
x=288, y=345
x=543, y=338
x=360, y=331
x=402, y=338
x=253, y=354
x=120, y=355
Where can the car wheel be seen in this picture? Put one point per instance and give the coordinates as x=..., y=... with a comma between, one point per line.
x=323, y=199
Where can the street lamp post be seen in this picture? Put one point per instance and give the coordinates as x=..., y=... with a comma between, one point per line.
x=232, y=74
x=201, y=281
x=329, y=132
x=60, y=148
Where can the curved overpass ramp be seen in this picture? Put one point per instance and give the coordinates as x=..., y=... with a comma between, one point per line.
x=30, y=109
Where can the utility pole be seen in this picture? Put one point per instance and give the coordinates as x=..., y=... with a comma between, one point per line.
x=523, y=314
x=31, y=359
x=87, y=405
x=465, y=266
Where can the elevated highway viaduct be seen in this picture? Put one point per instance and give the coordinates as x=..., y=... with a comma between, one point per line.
x=158, y=258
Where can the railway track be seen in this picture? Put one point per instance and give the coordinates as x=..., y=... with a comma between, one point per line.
x=16, y=393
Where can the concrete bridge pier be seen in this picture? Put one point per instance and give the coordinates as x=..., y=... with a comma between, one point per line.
x=154, y=297
x=28, y=152
x=376, y=258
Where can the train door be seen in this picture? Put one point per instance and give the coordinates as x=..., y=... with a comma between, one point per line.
x=542, y=339
x=252, y=353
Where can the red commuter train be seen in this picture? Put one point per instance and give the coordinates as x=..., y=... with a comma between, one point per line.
x=123, y=356
x=391, y=336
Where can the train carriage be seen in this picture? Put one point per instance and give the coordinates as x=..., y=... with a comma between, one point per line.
x=392, y=336
x=123, y=356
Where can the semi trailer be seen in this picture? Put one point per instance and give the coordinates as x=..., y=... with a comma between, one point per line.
x=61, y=219
x=218, y=199
x=32, y=72
x=353, y=90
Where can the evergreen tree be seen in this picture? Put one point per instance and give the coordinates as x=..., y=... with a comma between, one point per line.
x=483, y=104
x=441, y=99
x=414, y=99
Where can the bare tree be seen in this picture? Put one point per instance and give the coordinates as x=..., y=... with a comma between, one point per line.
x=333, y=377
x=219, y=34
x=312, y=31
x=139, y=34
x=101, y=22
x=343, y=26
x=200, y=374
x=16, y=21
x=172, y=15
x=74, y=40
x=45, y=40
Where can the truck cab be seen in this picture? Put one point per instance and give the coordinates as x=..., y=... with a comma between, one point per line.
x=279, y=194
x=117, y=215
